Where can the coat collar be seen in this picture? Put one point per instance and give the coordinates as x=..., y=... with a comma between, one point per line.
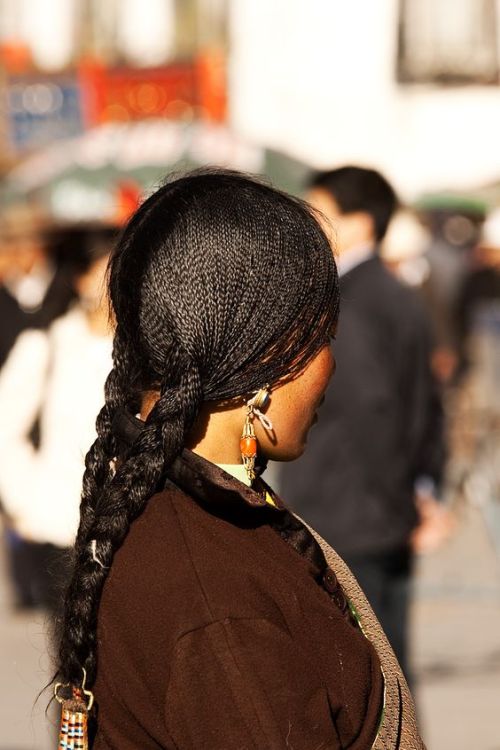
x=211, y=484
x=197, y=476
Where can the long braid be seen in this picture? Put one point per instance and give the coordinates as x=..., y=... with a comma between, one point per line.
x=219, y=284
x=98, y=467
x=134, y=482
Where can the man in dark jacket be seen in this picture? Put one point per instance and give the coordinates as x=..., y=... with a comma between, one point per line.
x=380, y=427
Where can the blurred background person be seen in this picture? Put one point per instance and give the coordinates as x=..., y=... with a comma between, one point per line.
x=477, y=402
x=34, y=289
x=454, y=226
x=478, y=303
x=404, y=246
x=381, y=426
x=55, y=377
x=404, y=250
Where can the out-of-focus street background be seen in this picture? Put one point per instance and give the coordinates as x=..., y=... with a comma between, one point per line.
x=99, y=101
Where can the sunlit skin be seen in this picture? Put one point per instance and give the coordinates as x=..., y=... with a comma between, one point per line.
x=292, y=410
x=20, y=253
x=344, y=231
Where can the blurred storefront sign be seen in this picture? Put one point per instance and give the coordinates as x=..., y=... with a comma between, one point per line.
x=133, y=94
x=42, y=109
x=196, y=88
x=104, y=173
x=212, y=85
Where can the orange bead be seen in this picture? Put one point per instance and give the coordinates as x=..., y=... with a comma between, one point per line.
x=248, y=446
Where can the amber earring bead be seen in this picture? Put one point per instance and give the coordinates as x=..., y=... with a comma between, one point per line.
x=248, y=446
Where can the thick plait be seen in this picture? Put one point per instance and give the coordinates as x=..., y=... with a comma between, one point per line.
x=135, y=480
x=100, y=463
x=219, y=285
x=99, y=459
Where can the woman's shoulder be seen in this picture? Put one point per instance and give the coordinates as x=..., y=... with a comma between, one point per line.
x=157, y=563
x=175, y=533
x=180, y=560
x=154, y=540
x=150, y=596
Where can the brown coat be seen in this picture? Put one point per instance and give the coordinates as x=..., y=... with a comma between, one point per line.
x=221, y=627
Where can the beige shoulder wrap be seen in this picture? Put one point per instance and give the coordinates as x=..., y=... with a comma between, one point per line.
x=399, y=729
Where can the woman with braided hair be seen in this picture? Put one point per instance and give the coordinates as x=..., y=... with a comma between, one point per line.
x=201, y=613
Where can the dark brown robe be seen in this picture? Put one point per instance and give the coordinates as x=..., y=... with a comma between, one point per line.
x=222, y=628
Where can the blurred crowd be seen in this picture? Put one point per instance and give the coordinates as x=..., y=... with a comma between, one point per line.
x=55, y=353
x=443, y=257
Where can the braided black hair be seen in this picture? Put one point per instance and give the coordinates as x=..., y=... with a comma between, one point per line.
x=219, y=284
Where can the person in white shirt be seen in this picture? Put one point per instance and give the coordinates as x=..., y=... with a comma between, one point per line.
x=55, y=376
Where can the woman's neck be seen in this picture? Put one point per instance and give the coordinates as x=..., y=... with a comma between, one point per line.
x=216, y=433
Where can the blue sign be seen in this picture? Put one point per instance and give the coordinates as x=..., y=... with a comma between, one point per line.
x=42, y=110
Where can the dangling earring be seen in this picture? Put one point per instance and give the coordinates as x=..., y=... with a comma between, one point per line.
x=248, y=441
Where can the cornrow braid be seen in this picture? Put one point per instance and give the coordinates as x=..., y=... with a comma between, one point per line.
x=219, y=284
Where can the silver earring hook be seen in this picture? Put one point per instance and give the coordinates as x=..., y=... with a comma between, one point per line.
x=265, y=421
x=259, y=401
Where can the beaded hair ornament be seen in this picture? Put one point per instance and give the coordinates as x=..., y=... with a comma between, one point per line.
x=75, y=707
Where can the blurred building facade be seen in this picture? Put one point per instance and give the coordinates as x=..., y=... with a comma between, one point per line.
x=408, y=86
x=69, y=65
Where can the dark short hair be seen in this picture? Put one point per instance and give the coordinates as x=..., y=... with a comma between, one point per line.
x=359, y=189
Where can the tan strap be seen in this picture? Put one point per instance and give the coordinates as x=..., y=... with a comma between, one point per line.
x=399, y=729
